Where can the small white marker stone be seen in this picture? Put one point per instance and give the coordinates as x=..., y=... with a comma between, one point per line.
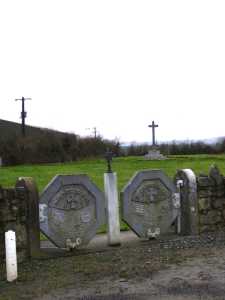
x=11, y=257
x=111, y=194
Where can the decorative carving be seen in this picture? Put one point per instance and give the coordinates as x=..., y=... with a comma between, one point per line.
x=150, y=192
x=150, y=203
x=75, y=210
x=71, y=197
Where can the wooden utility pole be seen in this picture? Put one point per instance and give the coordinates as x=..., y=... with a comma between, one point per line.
x=95, y=132
x=23, y=114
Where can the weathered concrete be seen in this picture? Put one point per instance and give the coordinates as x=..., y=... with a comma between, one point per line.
x=154, y=154
x=150, y=204
x=202, y=201
x=189, y=204
x=112, y=205
x=11, y=255
x=72, y=210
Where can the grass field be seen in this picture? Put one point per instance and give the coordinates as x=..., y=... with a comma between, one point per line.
x=124, y=167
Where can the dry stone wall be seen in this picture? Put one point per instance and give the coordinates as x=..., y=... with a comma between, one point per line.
x=202, y=201
x=211, y=200
x=13, y=212
x=19, y=212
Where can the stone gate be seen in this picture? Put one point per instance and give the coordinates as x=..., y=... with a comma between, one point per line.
x=150, y=203
x=72, y=209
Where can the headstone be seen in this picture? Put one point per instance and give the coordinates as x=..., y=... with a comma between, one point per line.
x=72, y=209
x=150, y=203
x=189, y=201
x=0, y=161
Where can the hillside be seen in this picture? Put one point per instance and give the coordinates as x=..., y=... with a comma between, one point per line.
x=41, y=145
x=11, y=129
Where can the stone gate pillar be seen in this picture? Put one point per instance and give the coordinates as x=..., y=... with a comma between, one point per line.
x=28, y=185
x=189, y=202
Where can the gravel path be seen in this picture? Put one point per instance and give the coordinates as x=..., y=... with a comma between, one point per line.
x=175, y=268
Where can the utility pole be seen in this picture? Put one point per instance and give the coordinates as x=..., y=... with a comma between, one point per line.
x=94, y=131
x=23, y=114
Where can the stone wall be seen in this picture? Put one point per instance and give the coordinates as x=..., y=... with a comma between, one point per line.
x=211, y=200
x=19, y=212
x=202, y=201
x=13, y=212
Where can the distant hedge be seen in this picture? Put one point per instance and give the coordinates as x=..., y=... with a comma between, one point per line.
x=180, y=148
x=50, y=147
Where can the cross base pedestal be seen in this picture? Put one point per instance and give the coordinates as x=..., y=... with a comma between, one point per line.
x=154, y=154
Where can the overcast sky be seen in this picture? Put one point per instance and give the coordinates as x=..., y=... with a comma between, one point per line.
x=115, y=65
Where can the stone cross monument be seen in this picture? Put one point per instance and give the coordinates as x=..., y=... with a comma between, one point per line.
x=154, y=153
x=153, y=126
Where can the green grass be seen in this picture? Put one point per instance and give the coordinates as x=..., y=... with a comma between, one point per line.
x=124, y=167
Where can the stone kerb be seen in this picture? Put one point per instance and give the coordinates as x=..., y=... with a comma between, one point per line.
x=149, y=204
x=72, y=209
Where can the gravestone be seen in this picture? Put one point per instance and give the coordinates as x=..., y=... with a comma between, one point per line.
x=72, y=209
x=0, y=161
x=150, y=203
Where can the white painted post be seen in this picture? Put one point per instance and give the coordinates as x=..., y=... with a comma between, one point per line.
x=11, y=257
x=111, y=194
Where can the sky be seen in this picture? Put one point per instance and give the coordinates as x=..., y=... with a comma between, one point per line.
x=115, y=65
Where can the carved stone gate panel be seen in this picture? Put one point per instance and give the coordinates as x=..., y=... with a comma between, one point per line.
x=150, y=203
x=72, y=209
